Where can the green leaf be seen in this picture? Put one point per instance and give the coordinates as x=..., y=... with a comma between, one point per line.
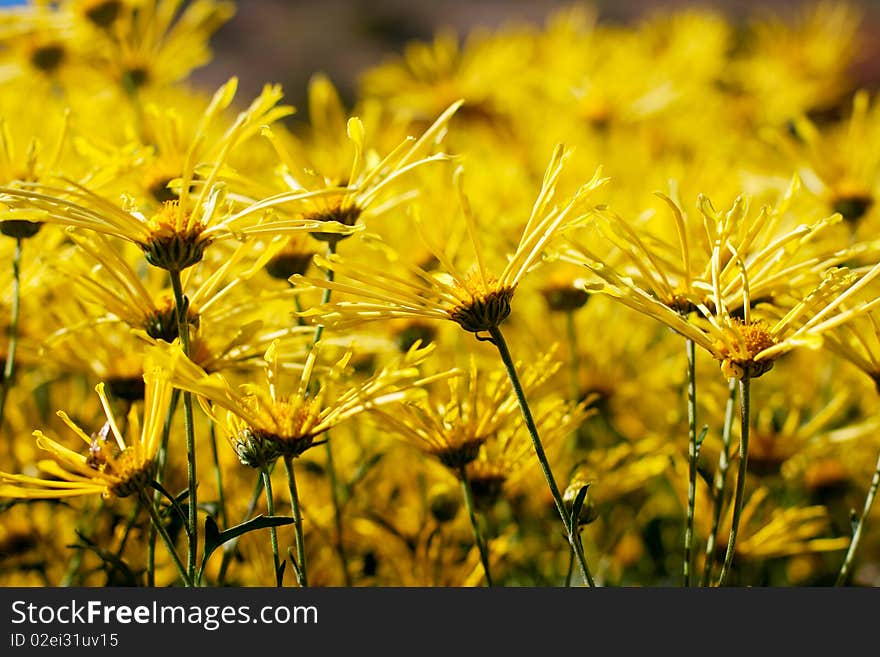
x=700, y=440
x=296, y=571
x=577, y=505
x=279, y=576
x=175, y=501
x=214, y=538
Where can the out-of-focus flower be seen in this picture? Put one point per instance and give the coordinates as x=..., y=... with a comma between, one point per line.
x=111, y=465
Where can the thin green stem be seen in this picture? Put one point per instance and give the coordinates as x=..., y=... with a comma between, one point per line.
x=325, y=297
x=478, y=535
x=692, y=459
x=328, y=446
x=720, y=483
x=192, y=530
x=218, y=475
x=301, y=573
x=570, y=570
x=273, y=534
x=229, y=547
x=160, y=528
x=9, y=368
x=739, y=495
x=161, y=460
x=570, y=526
x=849, y=559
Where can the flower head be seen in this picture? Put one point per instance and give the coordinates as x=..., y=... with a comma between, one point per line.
x=713, y=306
x=175, y=236
x=475, y=299
x=367, y=182
x=262, y=423
x=115, y=462
x=477, y=407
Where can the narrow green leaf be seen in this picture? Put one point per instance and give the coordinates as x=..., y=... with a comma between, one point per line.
x=700, y=439
x=214, y=538
x=577, y=505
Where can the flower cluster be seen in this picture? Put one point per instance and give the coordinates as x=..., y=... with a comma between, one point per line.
x=526, y=277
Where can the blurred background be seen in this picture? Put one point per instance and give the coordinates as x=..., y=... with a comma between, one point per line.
x=286, y=41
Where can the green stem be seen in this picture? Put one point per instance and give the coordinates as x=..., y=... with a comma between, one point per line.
x=273, y=534
x=301, y=574
x=739, y=495
x=846, y=567
x=720, y=483
x=161, y=460
x=692, y=459
x=325, y=297
x=328, y=446
x=567, y=521
x=478, y=535
x=9, y=369
x=229, y=547
x=218, y=475
x=160, y=528
x=570, y=570
x=192, y=530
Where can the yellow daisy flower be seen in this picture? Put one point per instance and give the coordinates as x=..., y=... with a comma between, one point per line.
x=176, y=236
x=262, y=424
x=476, y=300
x=112, y=465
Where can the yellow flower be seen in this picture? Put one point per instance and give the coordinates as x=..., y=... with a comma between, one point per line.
x=430, y=76
x=366, y=180
x=477, y=408
x=811, y=53
x=231, y=323
x=39, y=47
x=737, y=262
x=770, y=533
x=476, y=299
x=839, y=163
x=176, y=236
x=263, y=424
x=153, y=43
x=508, y=455
x=111, y=465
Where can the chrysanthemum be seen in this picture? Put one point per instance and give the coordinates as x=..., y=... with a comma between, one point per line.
x=774, y=532
x=476, y=299
x=506, y=456
x=111, y=465
x=262, y=423
x=778, y=253
x=477, y=407
x=176, y=236
x=39, y=46
x=724, y=291
x=229, y=321
x=368, y=182
x=839, y=163
x=154, y=43
x=429, y=76
x=29, y=158
x=813, y=53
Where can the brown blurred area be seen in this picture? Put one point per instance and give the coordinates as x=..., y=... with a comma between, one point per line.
x=286, y=41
